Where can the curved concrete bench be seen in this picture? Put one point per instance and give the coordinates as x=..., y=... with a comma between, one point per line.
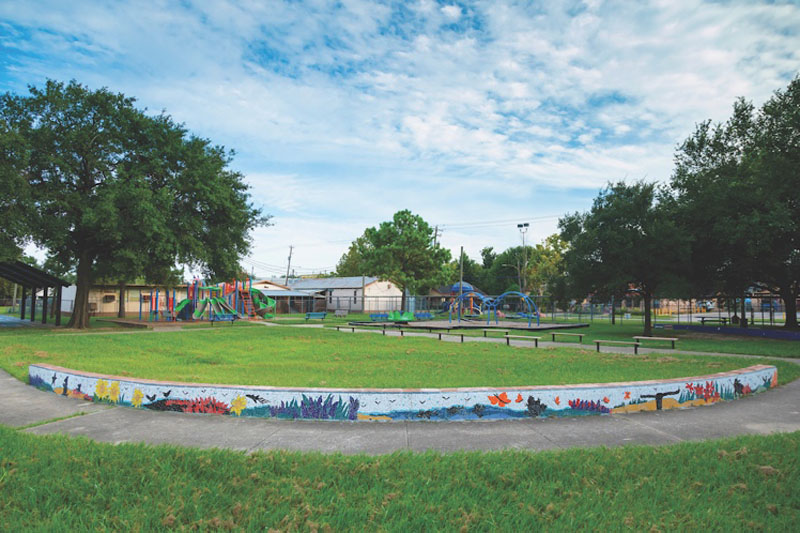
x=405, y=404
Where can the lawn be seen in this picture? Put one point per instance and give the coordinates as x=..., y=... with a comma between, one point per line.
x=62, y=483
x=288, y=356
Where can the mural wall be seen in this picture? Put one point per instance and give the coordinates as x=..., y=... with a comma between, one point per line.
x=405, y=404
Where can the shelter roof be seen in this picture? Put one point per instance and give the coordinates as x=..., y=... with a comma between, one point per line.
x=28, y=276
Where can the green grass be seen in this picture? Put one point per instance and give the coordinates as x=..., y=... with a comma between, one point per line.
x=285, y=356
x=61, y=483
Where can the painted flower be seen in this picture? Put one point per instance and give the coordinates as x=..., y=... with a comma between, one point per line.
x=605, y=399
x=627, y=395
x=101, y=388
x=690, y=386
x=238, y=405
x=558, y=400
x=113, y=391
x=136, y=399
x=519, y=398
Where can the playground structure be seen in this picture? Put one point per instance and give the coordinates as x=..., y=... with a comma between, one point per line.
x=223, y=302
x=489, y=306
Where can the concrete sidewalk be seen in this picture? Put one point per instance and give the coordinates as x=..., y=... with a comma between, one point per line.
x=773, y=411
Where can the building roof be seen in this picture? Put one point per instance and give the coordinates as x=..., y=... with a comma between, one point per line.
x=320, y=284
x=290, y=293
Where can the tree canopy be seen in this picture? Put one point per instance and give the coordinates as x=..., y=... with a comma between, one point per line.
x=114, y=192
x=628, y=241
x=738, y=183
x=401, y=250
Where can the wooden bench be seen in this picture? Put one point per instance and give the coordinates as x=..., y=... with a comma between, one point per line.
x=503, y=331
x=722, y=320
x=320, y=315
x=526, y=337
x=579, y=335
x=634, y=343
x=340, y=313
x=671, y=339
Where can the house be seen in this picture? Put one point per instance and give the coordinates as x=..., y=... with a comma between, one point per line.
x=289, y=300
x=355, y=293
x=104, y=299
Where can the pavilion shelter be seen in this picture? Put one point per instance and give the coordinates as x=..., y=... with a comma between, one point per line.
x=34, y=280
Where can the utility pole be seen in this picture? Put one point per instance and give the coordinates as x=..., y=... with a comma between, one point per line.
x=288, y=266
x=436, y=236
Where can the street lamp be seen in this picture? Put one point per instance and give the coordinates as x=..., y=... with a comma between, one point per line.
x=523, y=229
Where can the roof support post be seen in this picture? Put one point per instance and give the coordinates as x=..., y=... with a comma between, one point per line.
x=33, y=304
x=22, y=305
x=58, y=306
x=44, y=306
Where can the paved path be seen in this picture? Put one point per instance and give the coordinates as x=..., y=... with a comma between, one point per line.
x=774, y=411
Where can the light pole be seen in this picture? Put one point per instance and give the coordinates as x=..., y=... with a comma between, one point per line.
x=523, y=229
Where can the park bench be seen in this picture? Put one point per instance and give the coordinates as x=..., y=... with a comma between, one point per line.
x=635, y=344
x=375, y=317
x=503, y=331
x=319, y=314
x=722, y=320
x=579, y=335
x=526, y=337
x=670, y=339
x=423, y=316
x=340, y=313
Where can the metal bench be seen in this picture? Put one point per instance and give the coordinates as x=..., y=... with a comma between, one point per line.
x=635, y=344
x=670, y=339
x=579, y=335
x=319, y=315
x=722, y=320
x=423, y=316
x=375, y=317
x=340, y=313
x=526, y=337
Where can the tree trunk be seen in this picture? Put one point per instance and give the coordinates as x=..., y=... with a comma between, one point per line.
x=789, y=298
x=743, y=321
x=613, y=312
x=648, y=326
x=83, y=282
x=121, y=311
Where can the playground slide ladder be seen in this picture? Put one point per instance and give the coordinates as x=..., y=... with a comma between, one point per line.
x=247, y=303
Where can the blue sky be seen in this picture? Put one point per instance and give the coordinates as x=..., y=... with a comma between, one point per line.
x=475, y=115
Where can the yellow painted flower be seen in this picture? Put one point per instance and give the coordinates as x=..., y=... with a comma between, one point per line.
x=136, y=399
x=101, y=388
x=238, y=405
x=113, y=391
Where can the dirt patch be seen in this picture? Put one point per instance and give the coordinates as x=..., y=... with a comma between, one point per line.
x=667, y=359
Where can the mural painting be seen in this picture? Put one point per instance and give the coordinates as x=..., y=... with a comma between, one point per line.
x=413, y=404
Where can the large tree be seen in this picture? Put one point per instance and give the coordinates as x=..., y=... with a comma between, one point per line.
x=627, y=241
x=738, y=184
x=119, y=193
x=403, y=251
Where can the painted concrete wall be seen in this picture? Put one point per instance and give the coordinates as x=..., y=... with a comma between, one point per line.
x=405, y=404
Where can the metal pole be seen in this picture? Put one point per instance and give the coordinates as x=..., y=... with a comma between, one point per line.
x=460, y=282
x=58, y=306
x=44, y=306
x=22, y=305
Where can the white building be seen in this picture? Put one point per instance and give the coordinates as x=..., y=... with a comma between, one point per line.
x=356, y=293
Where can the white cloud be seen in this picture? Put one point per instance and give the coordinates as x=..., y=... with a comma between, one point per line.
x=343, y=115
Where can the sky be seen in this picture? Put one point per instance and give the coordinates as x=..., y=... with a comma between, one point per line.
x=475, y=115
